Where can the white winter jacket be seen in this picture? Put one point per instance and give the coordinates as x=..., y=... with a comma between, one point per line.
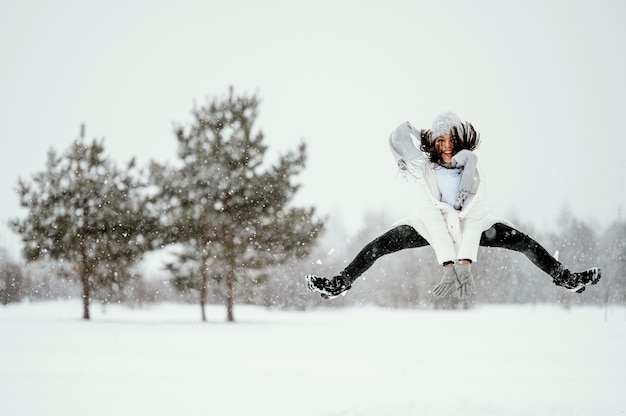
x=452, y=234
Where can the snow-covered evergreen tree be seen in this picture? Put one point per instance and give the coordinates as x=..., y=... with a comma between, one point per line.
x=85, y=211
x=229, y=208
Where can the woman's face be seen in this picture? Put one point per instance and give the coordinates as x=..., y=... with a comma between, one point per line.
x=445, y=147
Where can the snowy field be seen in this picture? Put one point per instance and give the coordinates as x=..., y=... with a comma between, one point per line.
x=161, y=360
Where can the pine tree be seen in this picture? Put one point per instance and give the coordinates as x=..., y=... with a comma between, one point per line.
x=226, y=205
x=91, y=215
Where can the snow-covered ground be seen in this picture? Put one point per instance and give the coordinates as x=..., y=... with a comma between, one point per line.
x=161, y=360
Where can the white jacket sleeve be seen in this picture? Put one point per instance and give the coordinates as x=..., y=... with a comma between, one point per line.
x=408, y=157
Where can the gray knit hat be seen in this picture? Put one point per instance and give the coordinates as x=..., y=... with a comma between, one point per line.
x=443, y=124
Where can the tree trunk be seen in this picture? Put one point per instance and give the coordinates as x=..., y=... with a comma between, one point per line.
x=203, y=307
x=84, y=278
x=203, y=293
x=231, y=265
x=230, y=300
x=85, y=283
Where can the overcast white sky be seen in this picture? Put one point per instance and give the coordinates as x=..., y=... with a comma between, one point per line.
x=543, y=82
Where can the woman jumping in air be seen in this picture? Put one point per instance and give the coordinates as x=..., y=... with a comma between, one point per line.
x=451, y=215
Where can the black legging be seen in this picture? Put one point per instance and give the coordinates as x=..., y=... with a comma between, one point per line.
x=405, y=236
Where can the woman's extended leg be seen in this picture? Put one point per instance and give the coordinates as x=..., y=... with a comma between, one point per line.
x=396, y=239
x=501, y=235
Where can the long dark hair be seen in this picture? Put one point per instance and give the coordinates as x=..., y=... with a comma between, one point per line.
x=466, y=137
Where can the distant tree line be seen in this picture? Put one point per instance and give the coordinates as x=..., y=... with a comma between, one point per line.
x=400, y=280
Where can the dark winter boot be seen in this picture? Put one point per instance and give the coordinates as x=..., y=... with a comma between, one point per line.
x=328, y=288
x=576, y=282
